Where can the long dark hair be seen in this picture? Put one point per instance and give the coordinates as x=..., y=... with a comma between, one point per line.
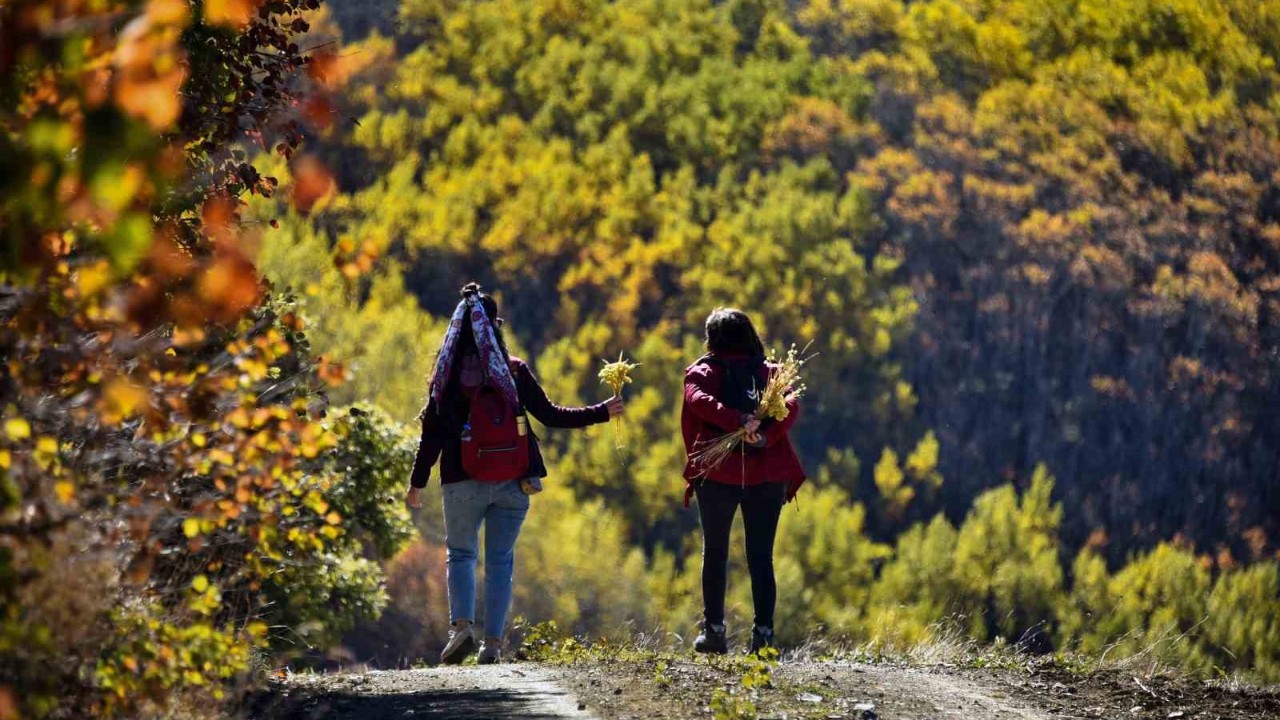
x=467, y=341
x=730, y=330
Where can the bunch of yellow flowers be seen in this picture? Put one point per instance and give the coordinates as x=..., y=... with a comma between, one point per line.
x=616, y=375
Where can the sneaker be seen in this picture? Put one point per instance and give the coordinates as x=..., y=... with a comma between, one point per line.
x=461, y=644
x=761, y=638
x=490, y=652
x=712, y=640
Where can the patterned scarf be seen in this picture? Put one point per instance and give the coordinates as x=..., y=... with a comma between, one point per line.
x=496, y=369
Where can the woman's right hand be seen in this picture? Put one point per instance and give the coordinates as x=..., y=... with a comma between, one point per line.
x=751, y=424
x=615, y=406
x=414, y=498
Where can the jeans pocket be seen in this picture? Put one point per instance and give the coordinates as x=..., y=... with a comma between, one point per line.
x=511, y=495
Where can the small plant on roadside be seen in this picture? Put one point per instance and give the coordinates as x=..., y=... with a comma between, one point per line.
x=544, y=642
x=755, y=673
x=759, y=670
x=730, y=705
x=660, y=676
x=1072, y=663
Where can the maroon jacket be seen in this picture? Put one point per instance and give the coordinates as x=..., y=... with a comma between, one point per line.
x=442, y=427
x=704, y=417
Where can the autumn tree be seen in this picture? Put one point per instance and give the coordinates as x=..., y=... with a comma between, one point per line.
x=166, y=453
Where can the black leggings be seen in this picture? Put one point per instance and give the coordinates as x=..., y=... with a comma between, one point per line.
x=761, y=506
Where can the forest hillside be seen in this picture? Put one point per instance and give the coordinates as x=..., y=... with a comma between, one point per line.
x=1034, y=244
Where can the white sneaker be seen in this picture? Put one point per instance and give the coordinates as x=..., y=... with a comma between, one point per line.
x=461, y=644
x=490, y=653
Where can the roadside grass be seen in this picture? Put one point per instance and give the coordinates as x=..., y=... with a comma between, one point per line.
x=743, y=687
x=742, y=679
x=655, y=673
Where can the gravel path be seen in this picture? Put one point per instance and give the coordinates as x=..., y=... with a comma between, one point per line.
x=906, y=693
x=495, y=692
x=686, y=687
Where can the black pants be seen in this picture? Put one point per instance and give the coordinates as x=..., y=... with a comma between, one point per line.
x=761, y=506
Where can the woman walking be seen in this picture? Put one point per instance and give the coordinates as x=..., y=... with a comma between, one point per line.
x=474, y=425
x=721, y=394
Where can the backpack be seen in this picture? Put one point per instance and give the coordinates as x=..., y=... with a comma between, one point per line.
x=744, y=380
x=495, y=438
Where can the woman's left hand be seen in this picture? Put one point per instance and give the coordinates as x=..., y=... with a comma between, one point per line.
x=615, y=405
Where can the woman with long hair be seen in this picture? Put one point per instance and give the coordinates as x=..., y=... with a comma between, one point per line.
x=474, y=427
x=721, y=395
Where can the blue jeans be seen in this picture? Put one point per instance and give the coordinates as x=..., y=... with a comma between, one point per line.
x=501, y=506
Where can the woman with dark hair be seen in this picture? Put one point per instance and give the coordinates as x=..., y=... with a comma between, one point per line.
x=474, y=425
x=721, y=394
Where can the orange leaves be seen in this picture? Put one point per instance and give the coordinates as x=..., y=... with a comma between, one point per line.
x=320, y=110
x=8, y=704
x=121, y=400
x=328, y=69
x=331, y=372
x=355, y=263
x=236, y=13
x=814, y=126
x=150, y=68
x=64, y=491
x=219, y=215
x=228, y=287
x=314, y=440
x=169, y=260
x=312, y=182
x=168, y=12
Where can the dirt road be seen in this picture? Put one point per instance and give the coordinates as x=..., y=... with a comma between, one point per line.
x=494, y=692
x=694, y=688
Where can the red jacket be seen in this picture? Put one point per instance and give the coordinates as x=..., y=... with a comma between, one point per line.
x=704, y=418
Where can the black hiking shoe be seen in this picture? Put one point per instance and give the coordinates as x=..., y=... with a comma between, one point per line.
x=761, y=638
x=711, y=640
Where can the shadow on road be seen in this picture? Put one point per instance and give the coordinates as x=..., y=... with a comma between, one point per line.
x=479, y=704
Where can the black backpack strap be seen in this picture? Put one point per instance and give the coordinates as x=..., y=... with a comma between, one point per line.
x=511, y=364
